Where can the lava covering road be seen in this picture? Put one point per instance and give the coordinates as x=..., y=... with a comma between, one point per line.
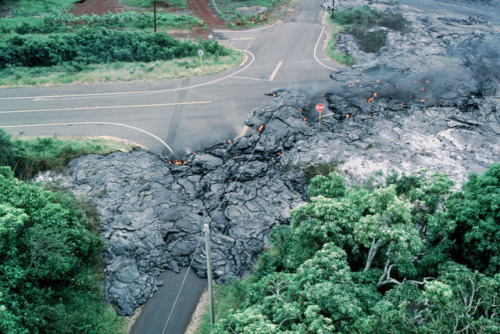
x=428, y=99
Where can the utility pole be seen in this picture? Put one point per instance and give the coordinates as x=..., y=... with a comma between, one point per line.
x=209, y=276
x=154, y=10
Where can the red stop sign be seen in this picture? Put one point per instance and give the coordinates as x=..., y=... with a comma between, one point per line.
x=320, y=107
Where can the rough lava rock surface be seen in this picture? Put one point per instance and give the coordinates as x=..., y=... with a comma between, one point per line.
x=428, y=99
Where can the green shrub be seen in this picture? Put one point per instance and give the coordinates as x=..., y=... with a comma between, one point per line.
x=358, y=22
x=369, y=41
x=29, y=156
x=50, y=266
x=97, y=45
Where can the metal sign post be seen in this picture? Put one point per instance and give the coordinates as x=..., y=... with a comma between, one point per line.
x=201, y=53
x=320, y=107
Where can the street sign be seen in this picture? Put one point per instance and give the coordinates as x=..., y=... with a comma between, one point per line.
x=320, y=107
x=200, y=53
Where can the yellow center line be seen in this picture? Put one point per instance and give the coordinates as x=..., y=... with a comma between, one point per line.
x=108, y=107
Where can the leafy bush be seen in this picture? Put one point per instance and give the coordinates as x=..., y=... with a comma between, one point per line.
x=366, y=16
x=97, y=46
x=369, y=41
x=49, y=264
x=28, y=157
x=358, y=22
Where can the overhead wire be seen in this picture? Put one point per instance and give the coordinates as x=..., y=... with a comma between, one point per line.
x=221, y=203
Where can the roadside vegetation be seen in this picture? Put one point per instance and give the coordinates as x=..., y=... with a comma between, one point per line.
x=28, y=156
x=50, y=263
x=243, y=14
x=43, y=43
x=403, y=254
x=368, y=25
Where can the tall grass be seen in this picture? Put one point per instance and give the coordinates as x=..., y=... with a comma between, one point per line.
x=340, y=57
x=227, y=297
x=29, y=156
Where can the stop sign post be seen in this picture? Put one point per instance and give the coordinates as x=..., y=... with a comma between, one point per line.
x=320, y=107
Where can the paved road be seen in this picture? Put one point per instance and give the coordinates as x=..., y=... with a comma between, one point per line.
x=159, y=309
x=180, y=116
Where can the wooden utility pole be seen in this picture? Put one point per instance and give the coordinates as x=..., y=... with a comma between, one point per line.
x=209, y=276
x=154, y=10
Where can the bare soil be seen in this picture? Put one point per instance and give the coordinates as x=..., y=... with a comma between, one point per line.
x=199, y=8
x=97, y=7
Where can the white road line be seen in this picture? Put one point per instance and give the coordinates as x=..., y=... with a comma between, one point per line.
x=276, y=70
x=240, y=31
x=315, y=57
x=107, y=107
x=141, y=92
x=91, y=123
x=248, y=78
x=242, y=39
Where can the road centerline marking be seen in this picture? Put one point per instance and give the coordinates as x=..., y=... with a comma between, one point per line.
x=276, y=70
x=107, y=107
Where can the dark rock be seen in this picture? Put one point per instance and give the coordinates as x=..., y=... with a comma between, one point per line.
x=428, y=99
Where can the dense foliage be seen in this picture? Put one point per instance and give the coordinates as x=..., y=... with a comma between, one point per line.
x=97, y=45
x=404, y=256
x=27, y=157
x=49, y=259
x=360, y=22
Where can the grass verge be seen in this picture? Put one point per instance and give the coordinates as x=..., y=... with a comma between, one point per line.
x=64, y=74
x=226, y=298
x=27, y=156
x=276, y=10
x=340, y=57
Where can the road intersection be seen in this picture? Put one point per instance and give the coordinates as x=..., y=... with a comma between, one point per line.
x=185, y=115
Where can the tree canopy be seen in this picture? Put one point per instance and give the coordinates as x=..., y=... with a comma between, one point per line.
x=49, y=259
x=404, y=256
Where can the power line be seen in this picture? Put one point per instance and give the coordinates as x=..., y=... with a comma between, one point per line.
x=220, y=205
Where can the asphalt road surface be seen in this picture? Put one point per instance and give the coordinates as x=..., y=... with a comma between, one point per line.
x=181, y=116
x=160, y=308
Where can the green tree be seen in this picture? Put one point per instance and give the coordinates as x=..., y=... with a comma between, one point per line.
x=48, y=262
x=377, y=260
x=473, y=215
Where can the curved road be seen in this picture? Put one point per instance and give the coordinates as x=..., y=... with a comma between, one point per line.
x=180, y=116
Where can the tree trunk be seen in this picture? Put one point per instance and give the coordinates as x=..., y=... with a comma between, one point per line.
x=371, y=254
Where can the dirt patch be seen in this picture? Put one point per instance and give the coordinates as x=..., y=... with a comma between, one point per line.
x=97, y=7
x=201, y=9
x=198, y=315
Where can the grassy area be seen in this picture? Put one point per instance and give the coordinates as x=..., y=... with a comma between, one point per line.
x=226, y=297
x=27, y=156
x=276, y=9
x=363, y=22
x=359, y=22
x=336, y=55
x=118, y=71
x=30, y=8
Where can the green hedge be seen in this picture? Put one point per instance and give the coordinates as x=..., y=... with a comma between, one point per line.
x=94, y=46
